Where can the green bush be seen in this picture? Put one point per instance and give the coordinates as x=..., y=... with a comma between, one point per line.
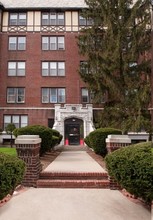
x=44, y=133
x=57, y=134
x=97, y=139
x=132, y=168
x=12, y=171
x=55, y=141
x=87, y=141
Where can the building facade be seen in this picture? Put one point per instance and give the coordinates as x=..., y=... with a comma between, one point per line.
x=39, y=67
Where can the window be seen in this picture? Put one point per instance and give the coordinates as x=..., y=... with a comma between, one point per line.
x=18, y=120
x=53, y=95
x=84, y=67
x=16, y=68
x=18, y=19
x=15, y=95
x=53, y=68
x=85, y=21
x=133, y=67
x=53, y=18
x=17, y=43
x=53, y=43
x=84, y=95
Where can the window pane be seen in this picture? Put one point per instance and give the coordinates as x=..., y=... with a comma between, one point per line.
x=60, y=18
x=53, y=43
x=60, y=43
x=53, y=68
x=24, y=121
x=53, y=19
x=12, y=69
x=61, y=95
x=20, y=95
x=45, y=69
x=45, y=43
x=61, y=68
x=45, y=95
x=21, y=43
x=21, y=69
x=12, y=43
x=82, y=21
x=85, y=96
x=15, y=120
x=45, y=19
x=22, y=19
x=13, y=19
x=11, y=95
x=7, y=120
x=53, y=95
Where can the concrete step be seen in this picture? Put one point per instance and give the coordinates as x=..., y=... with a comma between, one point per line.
x=71, y=176
x=75, y=183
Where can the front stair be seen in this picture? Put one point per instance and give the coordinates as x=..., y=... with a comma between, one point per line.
x=73, y=180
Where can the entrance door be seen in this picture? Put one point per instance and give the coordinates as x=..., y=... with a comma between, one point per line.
x=73, y=131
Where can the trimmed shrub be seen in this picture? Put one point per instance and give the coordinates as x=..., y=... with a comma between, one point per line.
x=132, y=168
x=87, y=141
x=57, y=134
x=55, y=141
x=98, y=137
x=12, y=171
x=44, y=133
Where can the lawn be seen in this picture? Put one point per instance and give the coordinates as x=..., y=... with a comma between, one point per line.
x=8, y=150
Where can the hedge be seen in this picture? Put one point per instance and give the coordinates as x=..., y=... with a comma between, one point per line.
x=97, y=139
x=12, y=171
x=57, y=134
x=132, y=168
x=44, y=133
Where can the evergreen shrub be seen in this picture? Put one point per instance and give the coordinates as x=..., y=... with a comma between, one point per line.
x=44, y=133
x=87, y=141
x=132, y=168
x=97, y=139
x=12, y=170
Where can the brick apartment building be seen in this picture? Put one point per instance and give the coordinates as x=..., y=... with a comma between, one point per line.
x=39, y=64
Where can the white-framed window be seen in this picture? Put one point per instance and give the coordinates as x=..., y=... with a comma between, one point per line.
x=53, y=68
x=53, y=95
x=53, y=18
x=84, y=95
x=53, y=43
x=18, y=120
x=16, y=68
x=17, y=43
x=18, y=19
x=15, y=95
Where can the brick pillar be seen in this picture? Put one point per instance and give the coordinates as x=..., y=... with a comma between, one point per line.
x=28, y=147
x=114, y=142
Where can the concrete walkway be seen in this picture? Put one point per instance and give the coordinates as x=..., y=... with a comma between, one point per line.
x=73, y=204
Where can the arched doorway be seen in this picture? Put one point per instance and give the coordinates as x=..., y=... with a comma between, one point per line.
x=73, y=131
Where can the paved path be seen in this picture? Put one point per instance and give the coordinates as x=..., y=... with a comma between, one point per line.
x=72, y=204
x=74, y=161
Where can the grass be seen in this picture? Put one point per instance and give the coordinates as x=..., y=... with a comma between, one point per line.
x=8, y=150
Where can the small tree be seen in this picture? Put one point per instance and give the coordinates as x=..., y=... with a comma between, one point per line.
x=9, y=129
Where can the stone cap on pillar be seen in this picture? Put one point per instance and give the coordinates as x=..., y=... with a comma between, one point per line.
x=28, y=139
x=118, y=139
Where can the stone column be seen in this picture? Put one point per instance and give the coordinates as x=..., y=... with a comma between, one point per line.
x=28, y=147
x=114, y=142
